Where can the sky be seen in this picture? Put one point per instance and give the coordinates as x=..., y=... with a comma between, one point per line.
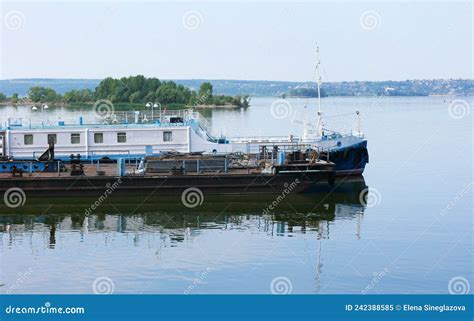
x=237, y=40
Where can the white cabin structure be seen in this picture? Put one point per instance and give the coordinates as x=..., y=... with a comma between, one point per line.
x=181, y=131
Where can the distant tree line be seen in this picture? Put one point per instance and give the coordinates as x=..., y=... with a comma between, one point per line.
x=306, y=92
x=15, y=98
x=135, y=89
x=420, y=87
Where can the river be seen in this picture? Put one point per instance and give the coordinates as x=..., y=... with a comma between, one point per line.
x=412, y=235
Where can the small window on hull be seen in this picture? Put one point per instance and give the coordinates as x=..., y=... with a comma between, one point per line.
x=167, y=136
x=28, y=139
x=75, y=138
x=121, y=137
x=52, y=139
x=98, y=138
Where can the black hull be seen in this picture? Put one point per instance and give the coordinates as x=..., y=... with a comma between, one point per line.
x=219, y=184
x=319, y=201
x=350, y=160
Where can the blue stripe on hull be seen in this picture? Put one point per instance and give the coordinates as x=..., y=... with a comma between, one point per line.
x=131, y=157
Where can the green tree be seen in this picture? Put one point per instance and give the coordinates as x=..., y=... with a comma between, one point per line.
x=74, y=96
x=245, y=101
x=42, y=94
x=151, y=85
x=36, y=93
x=15, y=98
x=138, y=89
x=167, y=93
x=192, y=99
x=51, y=96
x=106, y=88
x=3, y=97
x=150, y=97
x=135, y=97
x=206, y=87
x=205, y=93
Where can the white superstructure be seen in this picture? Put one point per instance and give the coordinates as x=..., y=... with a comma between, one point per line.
x=182, y=131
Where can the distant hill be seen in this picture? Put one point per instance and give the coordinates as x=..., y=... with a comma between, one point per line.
x=457, y=87
x=21, y=86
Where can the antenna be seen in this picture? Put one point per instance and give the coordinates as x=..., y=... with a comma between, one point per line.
x=318, y=80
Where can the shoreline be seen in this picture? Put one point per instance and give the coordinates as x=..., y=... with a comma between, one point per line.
x=120, y=106
x=126, y=106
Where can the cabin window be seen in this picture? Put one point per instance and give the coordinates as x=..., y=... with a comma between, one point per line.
x=167, y=136
x=121, y=137
x=98, y=138
x=28, y=139
x=52, y=139
x=75, y=138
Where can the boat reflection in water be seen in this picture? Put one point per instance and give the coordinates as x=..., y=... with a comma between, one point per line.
x=136, y=225
x=169, y=213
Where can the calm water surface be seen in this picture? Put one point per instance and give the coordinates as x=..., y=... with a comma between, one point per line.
x=413, y=236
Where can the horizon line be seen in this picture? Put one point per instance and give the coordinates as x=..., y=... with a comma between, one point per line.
x=252, y=80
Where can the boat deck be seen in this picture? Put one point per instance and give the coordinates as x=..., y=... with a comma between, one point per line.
x=241, y=181
x=110, y=170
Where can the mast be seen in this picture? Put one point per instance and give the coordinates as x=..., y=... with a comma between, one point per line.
x=318, y=83
x=318, y=79
x=309, y=132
